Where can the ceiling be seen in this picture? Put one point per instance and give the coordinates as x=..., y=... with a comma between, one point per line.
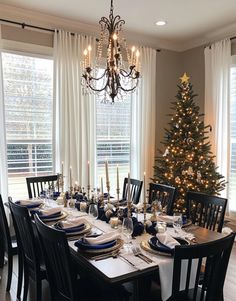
x=190, y=22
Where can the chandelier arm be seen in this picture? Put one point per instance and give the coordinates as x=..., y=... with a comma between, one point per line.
x=129, y=90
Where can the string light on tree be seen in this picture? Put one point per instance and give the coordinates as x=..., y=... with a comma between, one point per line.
x=186, y=161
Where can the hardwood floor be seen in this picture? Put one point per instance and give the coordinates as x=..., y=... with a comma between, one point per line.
x=229, y=288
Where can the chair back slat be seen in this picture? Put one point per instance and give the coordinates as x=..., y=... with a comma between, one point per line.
x=35, y=185
x=216, y=257
x=60, y=270
x=163, y=193
x=206, y=210
x=135, y=190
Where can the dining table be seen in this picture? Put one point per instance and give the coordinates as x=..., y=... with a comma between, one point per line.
x=123, y=267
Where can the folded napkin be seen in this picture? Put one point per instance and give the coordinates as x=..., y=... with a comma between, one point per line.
x=102, y=239
x=29, y=202
x=72, y=222
x=180, y=234
x=167, y=240
x=166, y=218
x=49, y=211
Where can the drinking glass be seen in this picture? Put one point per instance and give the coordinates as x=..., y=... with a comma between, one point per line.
x=93, y=212
x=177, y=222
x=127, y=230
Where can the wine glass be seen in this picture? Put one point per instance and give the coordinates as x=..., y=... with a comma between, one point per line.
x=127, y=230
x=177, y=222
x=93, y=211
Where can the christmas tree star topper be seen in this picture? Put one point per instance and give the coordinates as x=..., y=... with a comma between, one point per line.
x=185, y=78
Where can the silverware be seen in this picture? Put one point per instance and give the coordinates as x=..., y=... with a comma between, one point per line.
x=105, y=256
x=130, y=262
x=138, y=252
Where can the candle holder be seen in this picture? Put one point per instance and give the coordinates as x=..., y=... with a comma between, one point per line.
x=89, y=192
x=108, y=191
x=61, y=182
x=154, y=211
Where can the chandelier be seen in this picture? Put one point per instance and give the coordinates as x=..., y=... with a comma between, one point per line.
x=121, y=72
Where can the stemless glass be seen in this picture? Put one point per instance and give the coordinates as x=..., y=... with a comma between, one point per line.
x=127, y=230
x=177, y=222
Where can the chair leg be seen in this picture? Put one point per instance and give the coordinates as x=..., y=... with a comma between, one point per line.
x=20, y=275
x=38, y=290
x=26, y=282
x=9, y=276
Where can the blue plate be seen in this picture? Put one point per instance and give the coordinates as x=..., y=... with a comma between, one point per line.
x=83, y=245
x=156, y=245
x=29, y=206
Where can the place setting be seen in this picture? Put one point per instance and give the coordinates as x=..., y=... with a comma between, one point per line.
x=49, y=214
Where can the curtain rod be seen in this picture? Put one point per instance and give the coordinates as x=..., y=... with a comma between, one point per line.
x=23, y=25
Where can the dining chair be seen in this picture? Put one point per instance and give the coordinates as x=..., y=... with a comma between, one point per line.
x=163, y=193
x=206, y=211
x=216, y=256
x=31, y=250
x=36, y=185
x=10, y=247
x=135, y=190
x=62, y=271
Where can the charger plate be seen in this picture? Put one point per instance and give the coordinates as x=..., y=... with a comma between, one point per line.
x=86, y=229
x=145, y=246
x=55, y=218
x=118, y=245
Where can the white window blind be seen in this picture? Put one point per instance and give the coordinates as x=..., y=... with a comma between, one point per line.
x=28, y=98
x=232, y=176
x=113, y=141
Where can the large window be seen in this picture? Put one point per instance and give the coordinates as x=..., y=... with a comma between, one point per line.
x=28, y=98
x=232, y=176
x=113, y=141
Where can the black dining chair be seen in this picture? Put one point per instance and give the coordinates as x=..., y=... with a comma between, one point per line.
x=206, y=211
x=135, y=190
x=163, y=193
x=31, y=250
x=62, y=271
x=10, y=247
x=36, y=185
x=216, y=256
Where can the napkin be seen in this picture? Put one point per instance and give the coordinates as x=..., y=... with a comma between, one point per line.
x=166, y=218
x=167, y=240
x=29, y=202
x=102, y=239
x=72, y=222
x=49, y=211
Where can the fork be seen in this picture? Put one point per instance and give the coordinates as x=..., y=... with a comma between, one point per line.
x=138, y=252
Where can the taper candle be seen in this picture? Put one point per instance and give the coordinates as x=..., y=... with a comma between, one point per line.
x=62, y=168
x=88, y=173
x=101, y=186
x=117, y=175
x=129, y=196
x=144, y=187
x=107, y=175
x=70, y=176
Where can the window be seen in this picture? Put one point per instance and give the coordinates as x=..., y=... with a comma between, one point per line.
x=232, y=176
x=113, y=141
x=28, y=98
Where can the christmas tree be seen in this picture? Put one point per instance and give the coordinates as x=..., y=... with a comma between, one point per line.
x=187, y=161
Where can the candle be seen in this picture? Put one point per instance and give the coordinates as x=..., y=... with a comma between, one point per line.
x=107, y=175
x=101, y=186
x=129, y=196
x=88, y=173
x=144, y=187
x=117, y=175
x=62, y=168
x=70, y=176
x=114, y=222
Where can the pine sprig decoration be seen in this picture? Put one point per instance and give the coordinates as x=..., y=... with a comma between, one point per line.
x=187, y=161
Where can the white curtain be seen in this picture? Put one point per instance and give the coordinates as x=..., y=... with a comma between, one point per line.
x=75, y=119
x=143, y=118
x=3, y=155
x=217, y=97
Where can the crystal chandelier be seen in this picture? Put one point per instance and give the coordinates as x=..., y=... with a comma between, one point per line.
x=121, y=72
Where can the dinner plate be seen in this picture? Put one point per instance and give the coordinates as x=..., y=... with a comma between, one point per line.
x=85, y=229
x=82, y=244
x=72, y=230
x=54, y=217
x=118, y=244
x=156, y=245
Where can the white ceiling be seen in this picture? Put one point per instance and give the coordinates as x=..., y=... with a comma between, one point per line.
x=190, y=22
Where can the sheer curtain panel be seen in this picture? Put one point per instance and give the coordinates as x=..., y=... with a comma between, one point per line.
x=217, y=101
x=3, y=146
x=143, y=124
x=74, y=122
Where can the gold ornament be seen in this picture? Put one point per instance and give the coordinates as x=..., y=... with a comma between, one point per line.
x=184, y=78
